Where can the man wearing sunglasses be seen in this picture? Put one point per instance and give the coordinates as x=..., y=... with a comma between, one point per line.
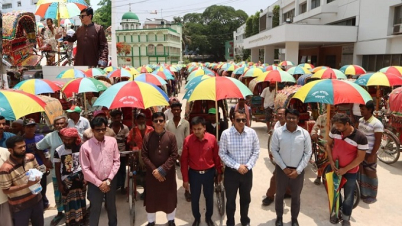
x=92, y=47
x=159, y=153
x=239, y=150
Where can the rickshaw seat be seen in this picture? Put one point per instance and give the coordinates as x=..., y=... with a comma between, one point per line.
x=256, y=100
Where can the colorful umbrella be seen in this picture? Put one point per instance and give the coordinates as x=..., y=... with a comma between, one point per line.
x=379, y=79
x=286, y=63
x=164, y=73
x=393, y=70
x=132, y=94
x=298, y=70
x=94, y=72
x=303, y=79
x=253, y=72
x=228, y=67
x=334, y=183
x=217, y=88
x=276, y=76
x=307, y=66
x=332, y=91
x=59, y=8
x=395, y=100
x=110, y=69
x=196, y=80
x=37, y=86
x=352, y=70
x=119, y=73
x=319, y=68
x=144, y=69
x=272, y=67
x=240, y=70
x=150, y=78
x=329, y=73
x=82, y=85
x=16, y=104
x=132, y=70
x=72, y=73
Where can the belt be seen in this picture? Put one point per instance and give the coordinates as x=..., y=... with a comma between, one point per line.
x=202, y=171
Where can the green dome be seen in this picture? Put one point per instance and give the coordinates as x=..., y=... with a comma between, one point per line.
x=130, y=16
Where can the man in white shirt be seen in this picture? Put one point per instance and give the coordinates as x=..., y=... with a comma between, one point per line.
x=5, y=214
x=267, y=101
x=76, y=120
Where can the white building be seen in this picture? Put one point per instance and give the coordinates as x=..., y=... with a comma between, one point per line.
x=238, y=37
x=19, y=5
x=332, y=33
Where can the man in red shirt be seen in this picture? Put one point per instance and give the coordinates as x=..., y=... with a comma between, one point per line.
x=199, y=160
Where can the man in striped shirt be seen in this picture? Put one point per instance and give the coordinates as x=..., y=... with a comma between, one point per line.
x=239, y=150
x=24, y=204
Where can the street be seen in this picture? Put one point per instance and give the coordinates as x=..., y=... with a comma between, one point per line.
x=314, y=204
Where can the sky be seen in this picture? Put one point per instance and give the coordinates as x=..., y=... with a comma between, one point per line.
x=167, y=9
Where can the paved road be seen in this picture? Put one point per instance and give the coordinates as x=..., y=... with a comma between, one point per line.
x=314, y=205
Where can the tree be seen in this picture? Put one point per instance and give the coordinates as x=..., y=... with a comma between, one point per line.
x=88, y=2
x=249, y=26
x=275, y=18
x=256, y=23
x=103, y=15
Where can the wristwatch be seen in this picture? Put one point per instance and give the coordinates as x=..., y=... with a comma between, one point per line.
x=108, y=182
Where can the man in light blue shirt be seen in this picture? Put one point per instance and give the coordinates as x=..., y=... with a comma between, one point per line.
x=239, y=150
x=291, y=149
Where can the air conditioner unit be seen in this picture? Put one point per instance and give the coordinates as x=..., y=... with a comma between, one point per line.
x=397, y=29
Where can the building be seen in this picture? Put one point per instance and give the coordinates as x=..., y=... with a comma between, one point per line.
x=332, y=33
x=238, y=37
x=159, y=41
x=229, y=51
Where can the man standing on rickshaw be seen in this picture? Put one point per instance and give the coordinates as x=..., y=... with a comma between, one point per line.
x=267, y=101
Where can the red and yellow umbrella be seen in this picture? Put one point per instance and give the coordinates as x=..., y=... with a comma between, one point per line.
x=329, y=73
x=37, y=86
x=252, y=72
x=319, y=68
x=395, y=100
x=276, y=76
x=16, y=104
x=352, y=70
x=286, y=63
x=397, y=70
x=94, y=72
x=379, y=79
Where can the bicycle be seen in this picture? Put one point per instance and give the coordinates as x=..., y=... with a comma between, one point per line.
x=390, y=147
x=66, y=56
x=220, y=198
x=131, y=173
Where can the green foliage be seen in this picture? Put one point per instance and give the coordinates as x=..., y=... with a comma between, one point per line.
x=256, y=23
x=103, y=15
x=249, y=26
x=88, y=2
x=275, y=18
x=209, y=30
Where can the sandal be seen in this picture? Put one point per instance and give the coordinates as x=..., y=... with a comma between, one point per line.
x=56, y=220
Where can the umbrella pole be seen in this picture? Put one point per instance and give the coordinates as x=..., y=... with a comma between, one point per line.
x=85, y=102
x=378, y=99
x=217, y=122
x=328, y=122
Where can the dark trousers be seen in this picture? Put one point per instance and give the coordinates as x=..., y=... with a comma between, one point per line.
x=121, y=174
x=349, y=189
x=43, y=183
x=295, y=185
x=34, y=213
x=206, y=181
x=95, y=196
x=233, y=182
x=272, y=187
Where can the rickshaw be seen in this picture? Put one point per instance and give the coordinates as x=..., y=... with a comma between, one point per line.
x=254, y=102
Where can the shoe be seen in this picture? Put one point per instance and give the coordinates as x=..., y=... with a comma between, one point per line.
x=187, y=195
x=295, y=222
x=56, y=220
x=196, y=223
x=210, y=222
x=369, y=200
x=317, y=181
x=171, y=223
x=345, y=223
x=334, y=219
x=267, y=201
x=287, y=196
x=151, y=224
x=279, y=221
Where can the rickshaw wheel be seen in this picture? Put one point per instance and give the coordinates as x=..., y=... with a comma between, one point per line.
x=389, y=150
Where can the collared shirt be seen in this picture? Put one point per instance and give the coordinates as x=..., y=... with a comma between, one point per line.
x=181, y=131
x=13, y=173
x=88, y=134
x=4, y=154
x=121, y=136
x=100, y=160
x=369, y=128
x=200, y=154
x=81, y=125
x=51, y=142
x=277, y=125
x=345, y=148
x=239, y=148
x=291, y=149
x=269, y=97
x=31, y=147
x=6, y=135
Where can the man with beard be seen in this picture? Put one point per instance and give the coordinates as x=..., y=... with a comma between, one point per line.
x=69, y=176
x=100, y=161
x=159, y=152
x=44, y=163
x=25, y=206
x=3, y=134
x=51, y=142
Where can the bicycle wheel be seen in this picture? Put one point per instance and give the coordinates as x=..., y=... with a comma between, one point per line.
x=220, y=199
x=356, y=194
x=389, y=150
x=131, y=200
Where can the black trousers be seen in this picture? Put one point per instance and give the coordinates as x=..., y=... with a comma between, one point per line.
x=34, y=213
x=233, y=182
x=206, y=182
x=295, y=185
x=121, y=174
x=43, y=183
x=95, y=196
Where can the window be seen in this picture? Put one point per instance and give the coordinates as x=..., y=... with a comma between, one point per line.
x=303, y=7
x=376, y=62
x=289, y=15
x=347, y=22
x=315, y=3
x=151, y=49
x=398, y=15
x=18, y=4
x=329, y=1
x=7, y=6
